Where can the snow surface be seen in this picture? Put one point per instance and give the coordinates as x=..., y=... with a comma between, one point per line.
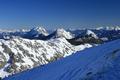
x=4, y=73
x=96, y=63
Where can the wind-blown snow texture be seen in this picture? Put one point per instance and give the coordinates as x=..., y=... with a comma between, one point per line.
x=97, y=63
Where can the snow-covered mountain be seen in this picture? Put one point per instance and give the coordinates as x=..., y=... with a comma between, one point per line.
x=87, y=36
x=97, y=63
x=25, y=49
x=88, y=33
x=106, y=34
x=37, y=32
x=20, y=54
x=63, y=33
x=34, y=33
x=91, y=34
x=60, y=33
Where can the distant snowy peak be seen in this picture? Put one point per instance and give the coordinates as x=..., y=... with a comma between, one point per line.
x=108, y=28
x=91, y=33
x=63, y=33
x=39, y=30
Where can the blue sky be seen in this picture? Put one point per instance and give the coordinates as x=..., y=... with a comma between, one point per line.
x=51, y=14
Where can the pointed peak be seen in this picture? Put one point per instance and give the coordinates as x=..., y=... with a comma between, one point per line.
x=90, y=32
x=63, y=33
x=39, y=30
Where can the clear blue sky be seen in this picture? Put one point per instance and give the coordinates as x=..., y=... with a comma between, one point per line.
x=55, y=13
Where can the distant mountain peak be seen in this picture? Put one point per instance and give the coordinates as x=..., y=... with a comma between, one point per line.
x=39, y=30
x=91, y=33
x=63, y=33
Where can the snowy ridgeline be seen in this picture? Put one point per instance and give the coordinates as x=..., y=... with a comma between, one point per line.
x=20, y=54
x=97, y=63
x=105, y=34
x=25, y=49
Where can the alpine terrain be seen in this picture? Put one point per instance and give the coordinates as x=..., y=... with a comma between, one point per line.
x=97, y=63
x=61, y=52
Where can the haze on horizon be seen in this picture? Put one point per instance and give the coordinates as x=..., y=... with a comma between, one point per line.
x=52, y=14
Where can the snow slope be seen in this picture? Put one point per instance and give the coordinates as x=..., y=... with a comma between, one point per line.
x=97, y=63
x=23, y=54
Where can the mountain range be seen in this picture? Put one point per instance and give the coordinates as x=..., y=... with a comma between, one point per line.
x=96, y=63
x=23, y=50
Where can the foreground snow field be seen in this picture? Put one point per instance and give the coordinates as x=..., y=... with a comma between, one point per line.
x=97, y=63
